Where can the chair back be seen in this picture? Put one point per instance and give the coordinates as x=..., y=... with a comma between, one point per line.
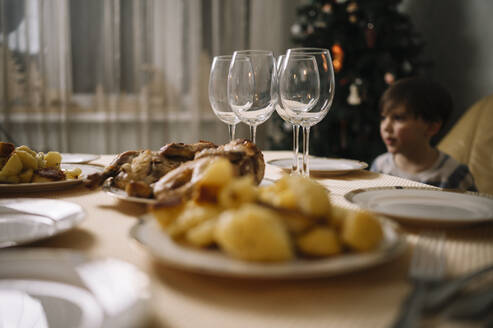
x=470, y=141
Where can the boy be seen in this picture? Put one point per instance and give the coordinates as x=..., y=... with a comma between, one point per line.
x=412, y=111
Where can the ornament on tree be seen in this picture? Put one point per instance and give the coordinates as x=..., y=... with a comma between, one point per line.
x=310, y=29
x=352, y=7
x=327, y=8
x=338, y=57
x=353, y=99
x=320, y=24
x=296, y=30
x=389, y=78
x=407, y=67
x=370, y=35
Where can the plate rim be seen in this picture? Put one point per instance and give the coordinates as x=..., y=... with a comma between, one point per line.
x=118, y=193
x=71, y=222
x=349, y=196
x=376, y=258
x=91, y=157
x=363, y=165
x=84, y=299
x=137, y=314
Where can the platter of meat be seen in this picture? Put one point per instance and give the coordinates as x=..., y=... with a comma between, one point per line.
x=148, y=176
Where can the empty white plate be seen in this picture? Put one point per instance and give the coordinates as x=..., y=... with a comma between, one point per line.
x=323, y=166
x=60, y=288
x=78, y=158
x=24, y=220
x=425, y=205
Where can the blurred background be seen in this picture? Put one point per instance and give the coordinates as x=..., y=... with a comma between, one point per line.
x=105, y=76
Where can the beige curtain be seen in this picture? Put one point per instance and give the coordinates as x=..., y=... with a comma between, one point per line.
x=104, y=76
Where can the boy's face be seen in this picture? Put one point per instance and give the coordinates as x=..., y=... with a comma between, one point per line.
x=404, y=133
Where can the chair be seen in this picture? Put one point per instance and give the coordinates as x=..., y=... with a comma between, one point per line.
x=470, y=141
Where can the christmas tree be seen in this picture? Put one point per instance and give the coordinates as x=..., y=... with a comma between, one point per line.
x=372, y=44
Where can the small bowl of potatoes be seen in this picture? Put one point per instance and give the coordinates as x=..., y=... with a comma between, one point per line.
x=288, y=221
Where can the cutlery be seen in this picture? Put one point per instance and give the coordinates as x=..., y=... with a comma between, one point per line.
x=473, y=306
x=427, y=268
x=440, y=295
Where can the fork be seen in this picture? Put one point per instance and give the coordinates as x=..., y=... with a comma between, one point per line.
x=427, y=269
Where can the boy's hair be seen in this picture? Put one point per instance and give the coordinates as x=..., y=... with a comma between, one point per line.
x=423, y=98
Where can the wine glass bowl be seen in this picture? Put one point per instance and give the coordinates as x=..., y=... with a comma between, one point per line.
x=218, y=93
x=303, y=107
x=252, y=87
x=299, y=86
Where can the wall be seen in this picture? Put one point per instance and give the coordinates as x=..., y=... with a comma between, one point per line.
x=460, y=42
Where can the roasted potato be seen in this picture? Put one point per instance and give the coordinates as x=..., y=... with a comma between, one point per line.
x=28, y=160
x=320, y=241
x=73, y=174
x=13, y=166
x=212, y=179
x=53, y=159
x=202, y=235
x=167, y=212
x=191, y=216
x=253, y=233
x=300, y=193
x=26, y=176
x=237, y=192
x=361, y=231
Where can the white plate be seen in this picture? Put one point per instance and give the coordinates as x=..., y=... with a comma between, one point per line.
x=60, y=288
x=55, y=185
x=24, y=220
x=122, y=195
x=323, y=166
x=78, y=158
x=425, y=205
x=214, y=262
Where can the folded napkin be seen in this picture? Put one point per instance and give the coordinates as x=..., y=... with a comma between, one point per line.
x=55, y=210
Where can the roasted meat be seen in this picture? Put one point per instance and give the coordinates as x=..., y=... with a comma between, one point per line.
x=243, y=154
x=180, y=182
x=145, y=166
x=174, y=169
x=184, y=151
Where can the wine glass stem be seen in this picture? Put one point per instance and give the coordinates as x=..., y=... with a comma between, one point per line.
x=306, y=145
x=231, y=130
x=296, y=147
x=253, y=133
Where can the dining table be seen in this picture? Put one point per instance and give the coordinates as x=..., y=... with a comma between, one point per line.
x=368, y=297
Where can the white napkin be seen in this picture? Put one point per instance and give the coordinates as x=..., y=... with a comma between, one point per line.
x=55, y=210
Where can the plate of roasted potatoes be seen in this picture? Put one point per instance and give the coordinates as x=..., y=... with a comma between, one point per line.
x=289, y=229
x=23, y=170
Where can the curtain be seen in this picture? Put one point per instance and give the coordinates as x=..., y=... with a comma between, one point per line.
x=105, y=76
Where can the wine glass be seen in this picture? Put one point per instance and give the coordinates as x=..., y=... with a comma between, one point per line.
x=308, y=115
x=218, y=93
x=295, y=168
x=252, y=87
